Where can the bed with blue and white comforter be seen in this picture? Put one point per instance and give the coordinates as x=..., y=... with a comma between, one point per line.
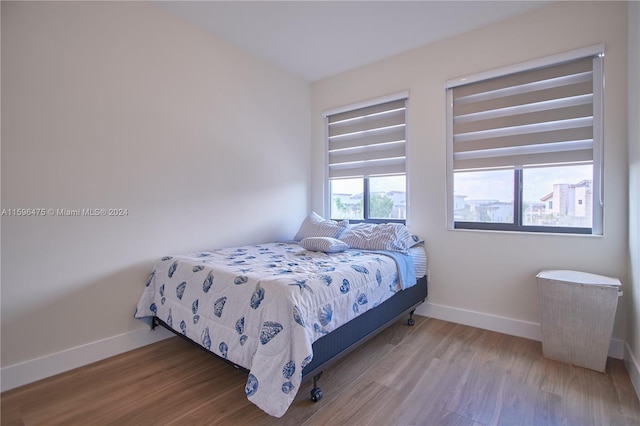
x=262, y=307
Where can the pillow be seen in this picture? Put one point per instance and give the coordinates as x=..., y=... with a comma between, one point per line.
x=416, y=240
x=385, y=236
x=316, y=226
x=325, y=244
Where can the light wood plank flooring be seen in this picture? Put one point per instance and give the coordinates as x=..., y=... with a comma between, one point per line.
x=435, y=373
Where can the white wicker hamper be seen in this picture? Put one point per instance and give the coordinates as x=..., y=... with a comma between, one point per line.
x=577, y=312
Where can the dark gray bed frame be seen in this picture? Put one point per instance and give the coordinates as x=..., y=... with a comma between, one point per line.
x=333, y=346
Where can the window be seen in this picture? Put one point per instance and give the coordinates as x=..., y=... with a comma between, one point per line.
x=366, y=166
x=524, y=146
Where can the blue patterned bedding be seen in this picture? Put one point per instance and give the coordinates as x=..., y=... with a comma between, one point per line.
x=263, y=306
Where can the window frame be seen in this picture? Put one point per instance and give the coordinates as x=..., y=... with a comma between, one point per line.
x=365, y=187
x=596, y=52
x=518, y=208
x=365, y=203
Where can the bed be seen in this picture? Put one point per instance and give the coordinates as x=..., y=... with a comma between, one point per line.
x=284, y=310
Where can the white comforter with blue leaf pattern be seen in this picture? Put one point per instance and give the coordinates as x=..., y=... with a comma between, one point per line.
x=263, y=306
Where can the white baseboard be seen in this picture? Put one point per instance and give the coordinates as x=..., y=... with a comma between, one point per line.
x=632, y=367
x=510, y=326
x=33, y=370
x=616, y=349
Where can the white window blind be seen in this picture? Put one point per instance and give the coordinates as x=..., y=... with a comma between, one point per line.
x=538, y=118
x=368, y=141
x=541, y=116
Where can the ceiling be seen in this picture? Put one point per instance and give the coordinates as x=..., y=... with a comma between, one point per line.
x=318, y=39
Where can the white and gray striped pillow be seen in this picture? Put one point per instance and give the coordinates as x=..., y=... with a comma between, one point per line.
x=384, y=236
x=324, y=244
x=315, y=225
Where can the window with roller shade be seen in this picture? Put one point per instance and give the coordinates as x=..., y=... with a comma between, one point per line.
x=366, y=160
x=525, y=146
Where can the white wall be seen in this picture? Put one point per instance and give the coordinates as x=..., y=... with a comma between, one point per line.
x=633, y=296
x=122, y=105
x=479, y=277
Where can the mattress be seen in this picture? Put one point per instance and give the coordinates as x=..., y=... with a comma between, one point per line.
x=419, y=257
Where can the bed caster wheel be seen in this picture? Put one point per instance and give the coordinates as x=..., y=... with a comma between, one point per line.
x=316, y=394
x=411, y=322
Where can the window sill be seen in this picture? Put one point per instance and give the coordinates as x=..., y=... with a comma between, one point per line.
x=548, y=234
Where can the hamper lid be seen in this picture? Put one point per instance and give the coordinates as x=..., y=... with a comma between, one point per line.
x=578, y=277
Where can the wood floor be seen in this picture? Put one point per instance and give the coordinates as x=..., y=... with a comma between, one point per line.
x=435, y=373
